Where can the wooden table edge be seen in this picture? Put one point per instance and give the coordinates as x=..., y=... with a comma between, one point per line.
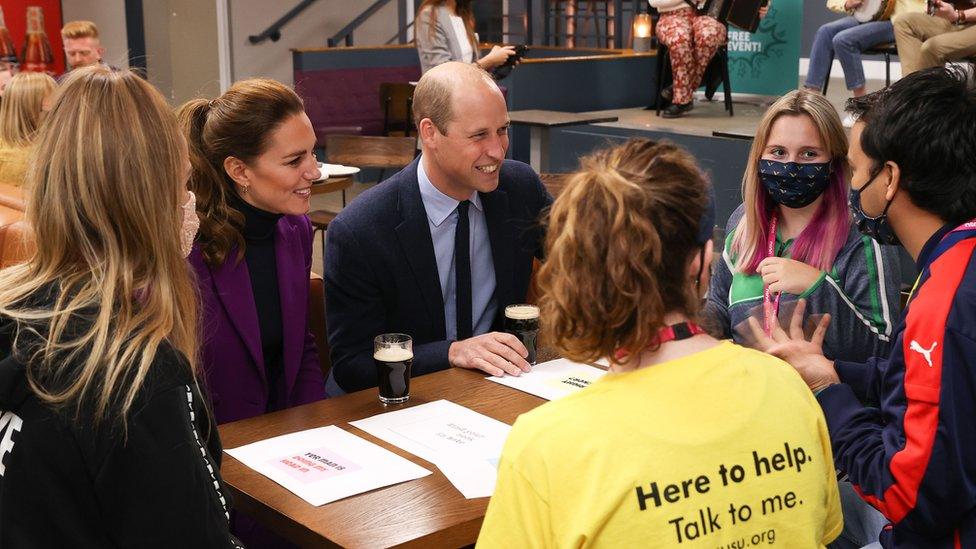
x=461, y=533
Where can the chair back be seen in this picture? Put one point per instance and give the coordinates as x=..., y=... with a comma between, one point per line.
x=396, y=102
x=369, y=151
x=316, y=321
x=16, y=239
x=554, y=182
x=12, y=196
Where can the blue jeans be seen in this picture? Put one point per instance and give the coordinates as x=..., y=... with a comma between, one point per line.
x=846, y=39
x=862, y=523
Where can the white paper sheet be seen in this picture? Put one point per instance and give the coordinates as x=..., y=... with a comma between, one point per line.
x=326, y=464
x=464, y=444
x=553, y=379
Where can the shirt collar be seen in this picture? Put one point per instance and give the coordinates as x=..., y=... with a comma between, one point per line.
x=438, y=205
x=930, y=244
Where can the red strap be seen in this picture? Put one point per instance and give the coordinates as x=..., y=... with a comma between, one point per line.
x=674, y=332
x=923, y=346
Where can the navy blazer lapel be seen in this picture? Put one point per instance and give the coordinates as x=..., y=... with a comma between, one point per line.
x=413, y=234
x=502, y=245
x=232, y=284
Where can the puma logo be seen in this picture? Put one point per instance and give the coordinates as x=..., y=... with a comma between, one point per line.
x=926, y=353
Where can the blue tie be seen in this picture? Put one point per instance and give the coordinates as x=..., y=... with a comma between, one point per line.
x=462, y=271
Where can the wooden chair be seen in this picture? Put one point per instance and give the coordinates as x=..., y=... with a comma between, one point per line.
x=12, y=196
x=396, y=102
x=316, y=321
x=16, y=239
x=363, y=152
x=554, y=182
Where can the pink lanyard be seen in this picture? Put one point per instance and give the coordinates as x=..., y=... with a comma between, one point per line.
x=770, y=306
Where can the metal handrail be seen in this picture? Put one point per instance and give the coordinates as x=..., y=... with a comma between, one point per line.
x=274, y=31
x=401, y=34
x=346, y=33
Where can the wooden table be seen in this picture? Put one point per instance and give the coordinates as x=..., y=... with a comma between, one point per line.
x=428, y=512
x=541, y=121
x=332, y=184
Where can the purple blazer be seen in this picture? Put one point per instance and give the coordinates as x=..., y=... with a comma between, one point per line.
x=231, y=356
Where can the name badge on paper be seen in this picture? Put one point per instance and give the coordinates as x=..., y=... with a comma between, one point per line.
x=314, y=465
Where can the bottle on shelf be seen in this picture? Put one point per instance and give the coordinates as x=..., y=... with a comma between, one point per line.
x=38, y=56
x=8, y=55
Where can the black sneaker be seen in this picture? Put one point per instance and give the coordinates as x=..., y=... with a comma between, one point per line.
x=667, y=93
x=675, y=110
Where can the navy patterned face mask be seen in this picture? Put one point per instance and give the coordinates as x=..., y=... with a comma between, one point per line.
x=794, y=185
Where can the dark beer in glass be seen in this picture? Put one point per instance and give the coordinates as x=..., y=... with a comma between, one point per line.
x=522, y=321
x=393, y=356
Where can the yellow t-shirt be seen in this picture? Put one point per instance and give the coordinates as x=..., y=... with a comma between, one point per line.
x=723, y=448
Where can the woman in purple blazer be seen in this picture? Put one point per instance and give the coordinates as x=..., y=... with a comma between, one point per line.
x=252, y=171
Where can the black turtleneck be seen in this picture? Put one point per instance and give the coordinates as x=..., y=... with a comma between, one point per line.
x=259, y=254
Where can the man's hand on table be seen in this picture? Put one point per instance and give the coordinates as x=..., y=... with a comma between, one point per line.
x=494, y=353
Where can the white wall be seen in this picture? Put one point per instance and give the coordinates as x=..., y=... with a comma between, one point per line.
x=311, y=29
x=181, y=37
x=109, y=17
x=181, y=48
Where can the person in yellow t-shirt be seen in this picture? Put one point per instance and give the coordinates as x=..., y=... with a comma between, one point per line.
x=687, y=441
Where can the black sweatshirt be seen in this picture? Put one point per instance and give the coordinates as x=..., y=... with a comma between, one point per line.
x=65, y=484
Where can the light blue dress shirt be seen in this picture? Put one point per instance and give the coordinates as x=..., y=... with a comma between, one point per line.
x=442, y=219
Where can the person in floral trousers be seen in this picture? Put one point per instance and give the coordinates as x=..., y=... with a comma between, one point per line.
x=692, y=40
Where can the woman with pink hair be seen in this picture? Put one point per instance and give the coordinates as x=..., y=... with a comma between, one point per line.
x=792, y=238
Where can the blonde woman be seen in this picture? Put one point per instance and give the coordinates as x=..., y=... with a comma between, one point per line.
x=104, y=428
x=681, y=418
x=793, y=238
x=445, y=32
x=24, y=101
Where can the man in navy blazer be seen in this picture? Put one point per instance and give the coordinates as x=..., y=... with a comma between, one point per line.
x=393, y=262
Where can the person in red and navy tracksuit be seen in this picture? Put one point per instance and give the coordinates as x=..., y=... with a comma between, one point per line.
x=911, y=451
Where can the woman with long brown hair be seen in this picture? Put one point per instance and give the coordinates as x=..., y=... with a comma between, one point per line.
x=444, y=31
x=253, y=168
x=105, y=438
x=24, y=101
x=683, y=423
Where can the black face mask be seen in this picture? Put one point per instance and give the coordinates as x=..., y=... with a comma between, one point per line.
x=794, y=185
x=878, y=227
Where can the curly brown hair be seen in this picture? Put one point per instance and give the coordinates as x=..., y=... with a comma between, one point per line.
x=621, y=236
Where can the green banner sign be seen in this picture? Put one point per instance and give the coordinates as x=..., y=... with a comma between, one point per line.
x=767, y=62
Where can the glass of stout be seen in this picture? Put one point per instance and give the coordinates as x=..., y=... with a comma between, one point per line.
x=393, y=356
x=522, y=321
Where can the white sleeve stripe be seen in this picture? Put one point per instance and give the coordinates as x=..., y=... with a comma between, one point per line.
x=728, y=263
x=883, y=337
x=203, y=453
x=882, y=288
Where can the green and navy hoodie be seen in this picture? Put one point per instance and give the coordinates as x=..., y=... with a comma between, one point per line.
x=861, y=294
